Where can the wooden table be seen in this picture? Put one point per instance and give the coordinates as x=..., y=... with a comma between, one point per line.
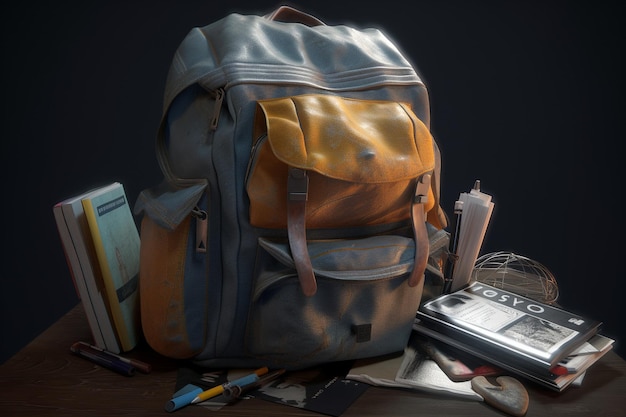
x=45, y=379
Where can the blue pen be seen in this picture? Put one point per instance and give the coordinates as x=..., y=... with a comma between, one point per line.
x=183, y=399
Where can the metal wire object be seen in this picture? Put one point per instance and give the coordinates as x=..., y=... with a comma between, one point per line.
x=517, y=274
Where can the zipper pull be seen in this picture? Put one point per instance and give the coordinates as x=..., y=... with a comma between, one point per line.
x=202, y=220
x=219, y=98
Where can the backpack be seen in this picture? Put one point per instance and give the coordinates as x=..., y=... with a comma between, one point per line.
x=299, y=207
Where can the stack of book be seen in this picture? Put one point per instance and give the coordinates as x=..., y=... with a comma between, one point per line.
x=540, y=342
x=101, y=244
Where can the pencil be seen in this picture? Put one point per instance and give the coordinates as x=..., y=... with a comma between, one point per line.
x=215, y=391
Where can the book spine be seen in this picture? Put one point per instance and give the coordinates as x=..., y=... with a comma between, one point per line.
x=493, y=346
x=75, y=269
x=90, y=270
x=123, y=323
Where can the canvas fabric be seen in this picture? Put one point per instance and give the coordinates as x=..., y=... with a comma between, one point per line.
x=220, y=278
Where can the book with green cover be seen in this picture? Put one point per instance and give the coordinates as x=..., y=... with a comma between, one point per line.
x=116, y=241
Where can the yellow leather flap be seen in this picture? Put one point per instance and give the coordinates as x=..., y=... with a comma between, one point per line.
x=366, y=141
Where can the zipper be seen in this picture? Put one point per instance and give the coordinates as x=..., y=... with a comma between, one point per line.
x=202, y=222
x=219, y=99
x=379, y=274
x=253, y=155
x=269, y=279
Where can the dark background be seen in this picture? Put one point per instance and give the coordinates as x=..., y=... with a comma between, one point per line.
x=525, y=96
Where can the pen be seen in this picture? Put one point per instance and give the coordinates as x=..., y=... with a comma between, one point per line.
x=215, y=391
x=234, y=392
x=141, y=366
x=182, y=400
x=110, y=363
x=452, y=258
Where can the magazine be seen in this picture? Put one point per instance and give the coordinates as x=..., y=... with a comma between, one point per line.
x=411, y=369
x=556, y=381
x=508, y=323
x=323, y=389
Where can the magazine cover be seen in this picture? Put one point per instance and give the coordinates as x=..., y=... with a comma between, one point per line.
x=323, y=389
x=421, y=371
x=511, y=321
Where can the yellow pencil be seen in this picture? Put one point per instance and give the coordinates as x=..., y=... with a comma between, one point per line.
x=215, y=391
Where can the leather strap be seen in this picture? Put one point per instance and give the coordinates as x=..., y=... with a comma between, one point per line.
x=418, y=218
x=297, y=190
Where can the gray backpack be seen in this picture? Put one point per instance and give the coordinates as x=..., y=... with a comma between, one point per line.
x=300, y=192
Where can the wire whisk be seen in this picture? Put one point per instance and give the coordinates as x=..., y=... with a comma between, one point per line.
x=517, y=274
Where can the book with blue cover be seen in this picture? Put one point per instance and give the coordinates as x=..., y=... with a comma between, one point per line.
x=116, y=241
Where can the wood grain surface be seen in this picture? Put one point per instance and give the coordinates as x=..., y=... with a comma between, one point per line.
x=46, y=379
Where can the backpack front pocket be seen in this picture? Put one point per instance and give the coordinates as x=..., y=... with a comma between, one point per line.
x=363, y=307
